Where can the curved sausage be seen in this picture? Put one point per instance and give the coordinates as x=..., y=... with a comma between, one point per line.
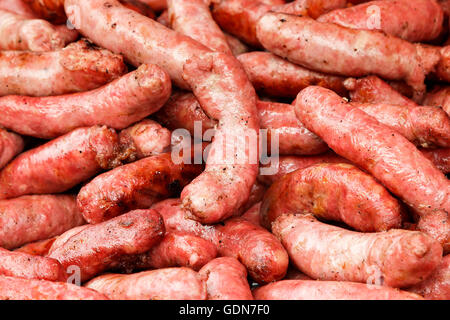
x=21, y=33
x=337, y=192
x=26, y=266
x=11, y=144
x=414, y=21
x=422, y=125
x=288, y=164
x=147, y=137
x=329, y=290
x=32, y=218
x=93, y=248
x=25, y=289
x=277, y=77
x=81, y=66
x=193, y=18
x=239, y=17
x=293, y=138
x=190, y=65
x=384, y=153
x=372, y=89
x=437, y=285
x=134, y=186
x=329, y=48
x=396, y=258
x=226, y=279
x=161, y=284
x=176, y=249
x=62, y=163
x=117, y=104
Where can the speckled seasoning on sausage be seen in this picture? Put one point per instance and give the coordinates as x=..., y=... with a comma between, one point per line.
x=384, y=153
x=135, y=185
x=93, y=248
x=372, y=89
x=23, y=265
x=415, y=21
x=337, y=192
x=161, y=284
x=277, y=77
x=193, y=18
x=176, y=249
x=117, y=104
x=396, y=258
x=62, y=163
x=32, y=218
x=20, y=33
x=80, y=66
x=329, y=48
x=226, y=279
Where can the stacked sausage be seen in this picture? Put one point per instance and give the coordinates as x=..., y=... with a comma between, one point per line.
x=102, y=196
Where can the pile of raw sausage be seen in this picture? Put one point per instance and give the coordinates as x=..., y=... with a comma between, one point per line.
x=103, y=196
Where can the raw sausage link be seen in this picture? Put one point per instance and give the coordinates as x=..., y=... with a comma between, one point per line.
x=193, y=18
x=437, y=285
x=415, y=21
x=423, y=126
x=176, y=249
x=288, y=164
x=161, y=284
x=33, y=218
x=372, y=89
x=26, y=289
x=23, y=265
x=93, y=248
x=329, y=290
x=239, y=17
x=277, y=77
x=135, y=185
x=329, y=48
x=118, y=104
x=81, y=66
x=62, y=163
x=384, y=153
x=338, y=192
x=21, y=33
x=226, y=279
x=147, y=138
x=396, y=258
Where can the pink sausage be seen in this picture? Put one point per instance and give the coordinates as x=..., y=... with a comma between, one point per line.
x=62, y=163
x=118, y=104
x=226, y=279
x=161, y=284
x=32, y=218
x=384, y=153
